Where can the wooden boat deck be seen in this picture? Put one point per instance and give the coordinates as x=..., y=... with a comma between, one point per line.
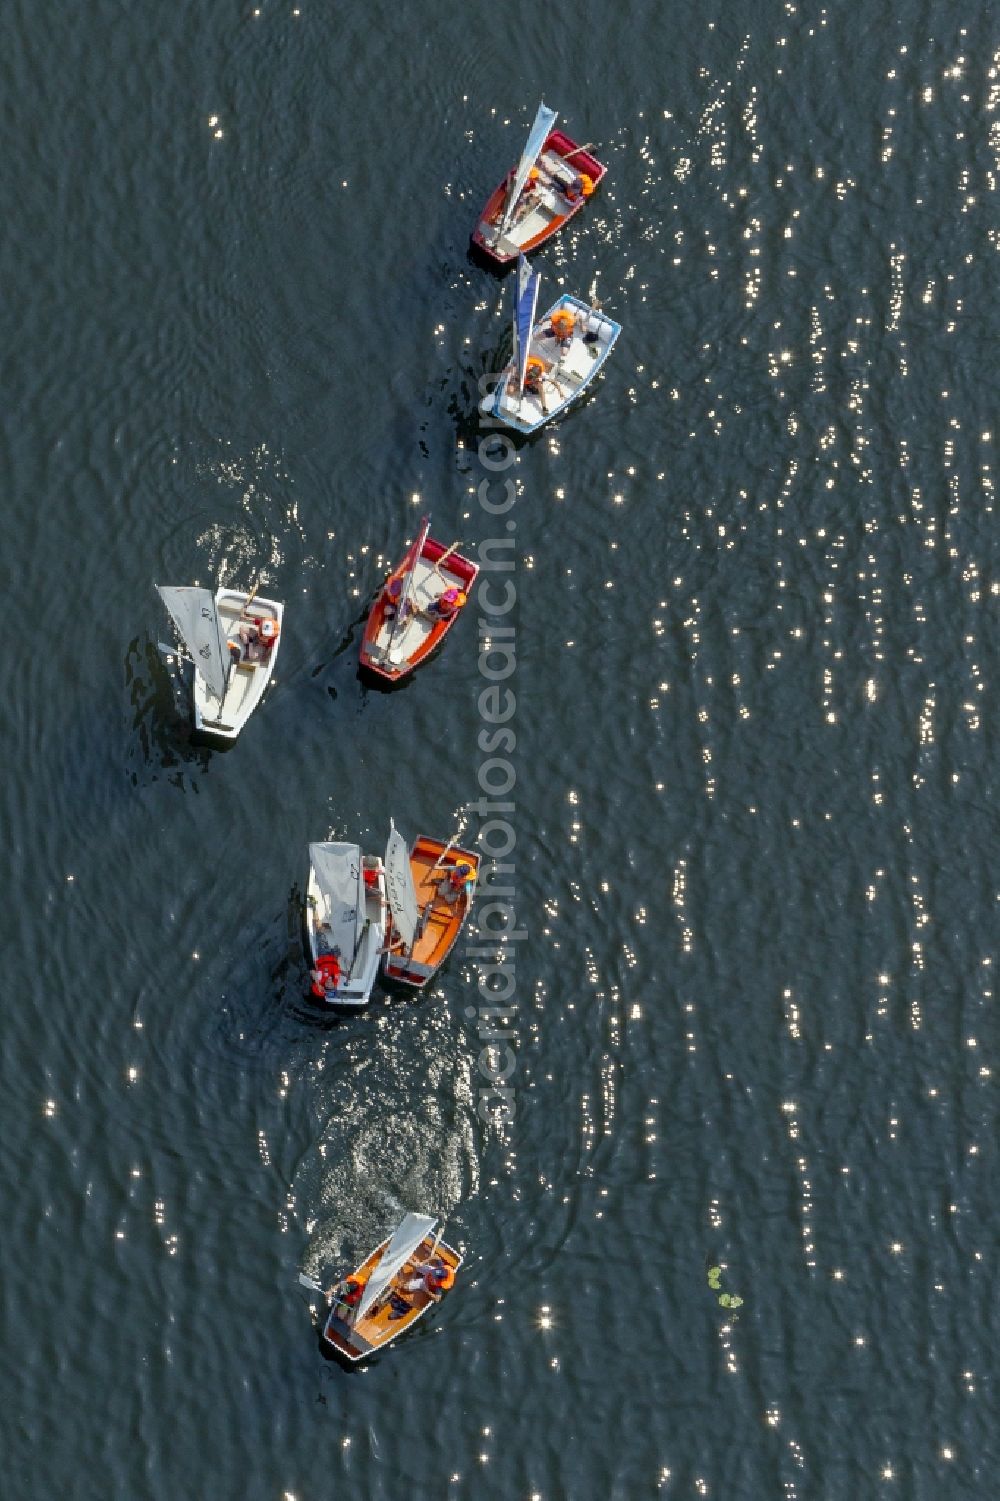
x=439, y=921
x=379, y=1328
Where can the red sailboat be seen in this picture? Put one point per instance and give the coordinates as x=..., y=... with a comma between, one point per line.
x=416, y=607
x=553, y=180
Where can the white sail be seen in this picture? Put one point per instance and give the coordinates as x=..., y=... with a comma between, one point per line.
x=399, y=886
x=403, y=604
x=337, y=868
x=193, y=613
x=414, y=1229
x=537, y=136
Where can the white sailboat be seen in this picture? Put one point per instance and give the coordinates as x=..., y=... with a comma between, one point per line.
x=554, y=359
x=232, y=649
x=346, y=917
x=377, y=1303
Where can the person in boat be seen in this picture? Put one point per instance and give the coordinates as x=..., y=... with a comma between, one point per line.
x=449, y=603
x=563, y=325
x=434, y=1278
x=257, y=638
x=394, y=602
x=534, y=381
x=325, y=975
x=346, y=1295
x=398, y=1306
x=454, y=881
x=529, y=195
x=577, y=188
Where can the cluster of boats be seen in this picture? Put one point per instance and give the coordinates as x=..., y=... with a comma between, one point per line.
x=401, y=912
x=554, y=357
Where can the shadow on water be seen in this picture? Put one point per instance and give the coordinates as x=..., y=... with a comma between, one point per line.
x=148, y=737
x=373, y=681
x=480, y=261
x=162, y=739
x=346, y=640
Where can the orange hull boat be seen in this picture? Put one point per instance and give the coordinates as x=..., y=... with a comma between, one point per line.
x=440, y=913
x=395, y=1310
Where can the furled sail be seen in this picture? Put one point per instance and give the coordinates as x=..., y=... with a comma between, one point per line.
x=399, y=886
x=537, y=136
x=402, y=607
x=193, y=613
x=528, y=282
x=414, y=1229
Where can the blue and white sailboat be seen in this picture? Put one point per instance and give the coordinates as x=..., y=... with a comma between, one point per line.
x=554, y=359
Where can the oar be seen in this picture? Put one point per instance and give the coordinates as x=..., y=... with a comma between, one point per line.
x=447, y=554
x=311, y=1282
x=576, y=151
x=249, y=598
x=452, y=841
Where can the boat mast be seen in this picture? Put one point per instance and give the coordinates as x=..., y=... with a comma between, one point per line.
x=415, y=552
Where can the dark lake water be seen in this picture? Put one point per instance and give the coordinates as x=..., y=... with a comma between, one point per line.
x=757, y=578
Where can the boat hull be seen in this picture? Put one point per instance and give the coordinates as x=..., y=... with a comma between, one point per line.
x=377, y=1331
x=389, y=655
x=550, y=215
x=571, y=370
x=222, y=719
x=355, y=991
x=439, y=921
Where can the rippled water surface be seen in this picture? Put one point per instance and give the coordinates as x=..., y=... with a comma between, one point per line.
x=756, y=629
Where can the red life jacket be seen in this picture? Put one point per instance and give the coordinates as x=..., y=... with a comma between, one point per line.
x=328, y=966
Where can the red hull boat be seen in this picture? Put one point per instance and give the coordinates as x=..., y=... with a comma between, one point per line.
x=553, y=180
x=416, y=607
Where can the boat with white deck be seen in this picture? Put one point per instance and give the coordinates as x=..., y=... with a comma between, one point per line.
x=555, y=359
x=232, y=648
x=346, y=916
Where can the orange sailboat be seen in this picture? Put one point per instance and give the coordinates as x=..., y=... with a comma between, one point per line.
x=391, y=1289
x=431, y=890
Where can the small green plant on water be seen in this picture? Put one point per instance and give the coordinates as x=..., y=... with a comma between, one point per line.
x=726, y=1300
